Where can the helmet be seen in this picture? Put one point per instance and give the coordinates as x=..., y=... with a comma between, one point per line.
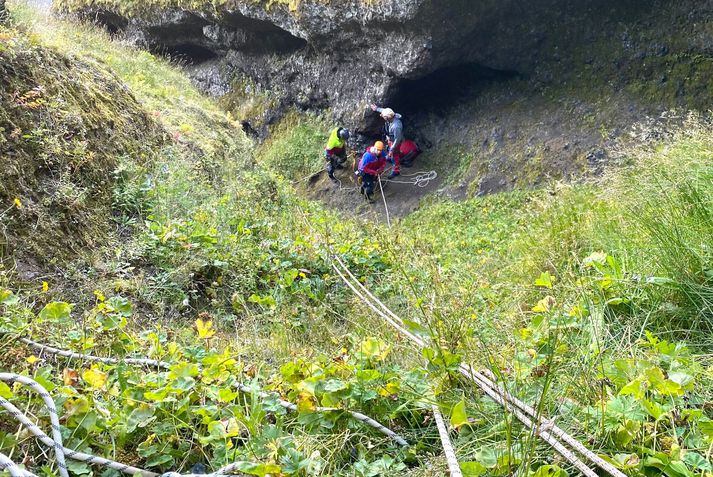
x=388, y=113
x=379, y=146
x=343, y=134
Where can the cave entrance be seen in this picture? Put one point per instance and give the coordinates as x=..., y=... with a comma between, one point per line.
x=187, y=54
x=444, y=88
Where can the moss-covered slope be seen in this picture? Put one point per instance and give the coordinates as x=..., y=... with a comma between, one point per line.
x=64, y=123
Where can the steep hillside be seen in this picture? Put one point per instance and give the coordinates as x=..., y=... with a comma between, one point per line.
x=590, y=301
x=65, y=124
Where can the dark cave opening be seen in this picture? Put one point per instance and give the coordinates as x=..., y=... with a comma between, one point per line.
x=436, y=93
x=444, y=89
x=187, y=53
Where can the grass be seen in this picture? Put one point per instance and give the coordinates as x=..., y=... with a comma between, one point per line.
x=554, y=290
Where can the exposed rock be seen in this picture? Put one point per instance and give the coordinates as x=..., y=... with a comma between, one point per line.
x=572, y=76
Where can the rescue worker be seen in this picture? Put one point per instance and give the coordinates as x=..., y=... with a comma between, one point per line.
x=394, y=129
x=336, y=151
x=409, y=152
x=372, y=164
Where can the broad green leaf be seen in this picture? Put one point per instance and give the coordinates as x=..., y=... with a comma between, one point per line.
x=417, y=329
x=677, y=469
x=653, y=409
x=184, y=370
x=7, y=297
x=120, y=305
x=56, y=311
x=373, y=348
x=550, y=471
x=472, y=469
x=545, y=280
x=334, y=385
x=635, y=388
x=78, y=468
x=697, y=461
x=140, y=417
x=159, y=460
x=5, y=390
x=459, y=416
x=227, y=395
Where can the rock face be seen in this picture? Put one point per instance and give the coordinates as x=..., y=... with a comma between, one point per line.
x=342, y=54
x=587, y=69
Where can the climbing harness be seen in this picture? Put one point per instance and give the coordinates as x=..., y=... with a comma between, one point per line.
x=61, y=452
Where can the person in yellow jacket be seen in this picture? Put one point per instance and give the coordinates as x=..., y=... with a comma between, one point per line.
x=336, y=151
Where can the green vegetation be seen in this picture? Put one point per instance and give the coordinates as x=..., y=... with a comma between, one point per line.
x=592, y=302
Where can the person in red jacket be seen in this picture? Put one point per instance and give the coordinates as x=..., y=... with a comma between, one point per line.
x=372, y=164
x=409, y=152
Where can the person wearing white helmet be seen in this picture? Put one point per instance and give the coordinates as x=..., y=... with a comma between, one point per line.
x=394, y=129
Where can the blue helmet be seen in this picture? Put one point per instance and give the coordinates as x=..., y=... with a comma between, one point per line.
x=343, y=134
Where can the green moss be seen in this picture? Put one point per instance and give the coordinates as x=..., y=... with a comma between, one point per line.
x=64, y=124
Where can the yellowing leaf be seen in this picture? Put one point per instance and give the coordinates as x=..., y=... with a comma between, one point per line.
x=205, y=328
x=70, y=377
x=459, y=416
x=100, y=296
x=94, y=378
x=306, y=402
x=5, y=391
x=545, y=280
x=374, y=348
x=544, y=305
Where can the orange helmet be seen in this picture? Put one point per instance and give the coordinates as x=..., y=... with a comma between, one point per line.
x=379, y=146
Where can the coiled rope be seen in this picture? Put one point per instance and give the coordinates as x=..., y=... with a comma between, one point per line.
x=419, y=179
x=543, y=428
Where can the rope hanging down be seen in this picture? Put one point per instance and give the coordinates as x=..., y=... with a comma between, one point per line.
x=543, y=428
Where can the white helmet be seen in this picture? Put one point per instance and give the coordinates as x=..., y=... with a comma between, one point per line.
x=388, y=113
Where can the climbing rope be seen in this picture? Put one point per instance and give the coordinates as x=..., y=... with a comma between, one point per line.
x=542, y=428
x=453, y=465
x=419, y=179
x=12, y=468
x=386, y=206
